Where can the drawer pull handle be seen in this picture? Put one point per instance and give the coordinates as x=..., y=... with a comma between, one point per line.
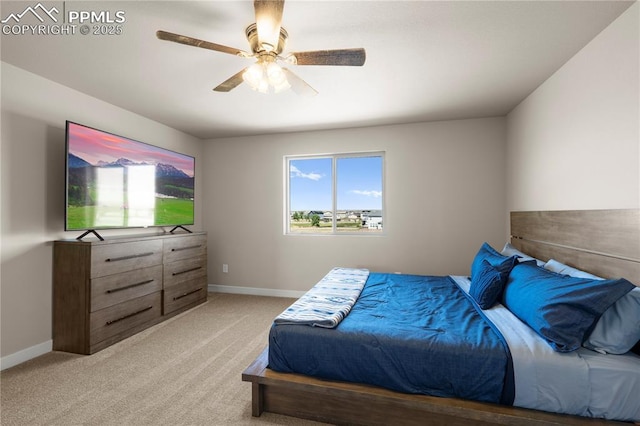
x=186, y=294
x=186, y=248
x=133, y=256
x=115, y=290
x=128, y=316
x=187, y=270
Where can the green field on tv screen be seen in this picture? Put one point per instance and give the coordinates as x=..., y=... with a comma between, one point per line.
x=166, y=212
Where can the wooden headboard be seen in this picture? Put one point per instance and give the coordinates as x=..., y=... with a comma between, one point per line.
x=603, y=242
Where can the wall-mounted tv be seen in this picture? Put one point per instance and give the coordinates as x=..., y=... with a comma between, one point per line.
x=116, y=182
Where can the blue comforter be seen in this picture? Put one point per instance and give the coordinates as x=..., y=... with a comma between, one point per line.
x=410, y=333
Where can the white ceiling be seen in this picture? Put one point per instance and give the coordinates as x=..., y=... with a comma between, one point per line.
x=426, y=60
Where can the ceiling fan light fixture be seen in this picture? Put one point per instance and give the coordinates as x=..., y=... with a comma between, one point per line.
x=265, y=74
x=276, y=77
x=253, y=76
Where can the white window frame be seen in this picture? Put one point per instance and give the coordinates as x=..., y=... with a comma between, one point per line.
x=334, y=158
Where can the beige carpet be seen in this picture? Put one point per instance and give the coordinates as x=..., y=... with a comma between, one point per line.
x=184, y=371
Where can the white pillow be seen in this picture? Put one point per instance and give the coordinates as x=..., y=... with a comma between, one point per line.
x=555, y=266
x=509, y=250
x=618, y=329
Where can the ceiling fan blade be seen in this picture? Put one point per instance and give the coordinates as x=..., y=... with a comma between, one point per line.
x=268, y=22
x=190, y=41
x=348, y=57
x=298, y=85
x=230, y=83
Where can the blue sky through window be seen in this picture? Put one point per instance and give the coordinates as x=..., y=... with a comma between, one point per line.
x=359, y=183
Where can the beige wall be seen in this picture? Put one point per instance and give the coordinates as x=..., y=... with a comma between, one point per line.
x=444, y=196
x=574, y=143
x=34, y=111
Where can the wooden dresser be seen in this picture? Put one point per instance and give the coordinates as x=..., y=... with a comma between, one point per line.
x=105, y=291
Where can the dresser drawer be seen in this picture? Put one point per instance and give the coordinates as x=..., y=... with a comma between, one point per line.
x=183, y=270
x=119, y=318
x=183, y=294
x=185, y=247
x=113, y=289
x=111, y=259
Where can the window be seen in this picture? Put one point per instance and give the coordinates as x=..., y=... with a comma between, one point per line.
x=334, y=194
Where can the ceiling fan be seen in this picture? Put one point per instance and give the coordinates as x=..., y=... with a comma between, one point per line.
x=267, y=39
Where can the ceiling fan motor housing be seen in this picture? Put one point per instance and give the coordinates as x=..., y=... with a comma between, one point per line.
x=256, y=47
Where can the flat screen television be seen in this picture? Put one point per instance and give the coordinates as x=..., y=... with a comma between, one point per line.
x=116, y=182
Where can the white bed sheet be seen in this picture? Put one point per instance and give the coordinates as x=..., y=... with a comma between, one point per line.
x=615, y=384
x=591, y=384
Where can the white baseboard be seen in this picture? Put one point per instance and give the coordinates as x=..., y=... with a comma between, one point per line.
x=254, y=291
x=25, y=355
x=45, y=347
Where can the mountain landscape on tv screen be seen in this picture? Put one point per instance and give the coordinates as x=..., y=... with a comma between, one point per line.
x=174, y=190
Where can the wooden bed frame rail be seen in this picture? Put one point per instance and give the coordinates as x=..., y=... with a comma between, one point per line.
x=355, y=404
x=603, y=242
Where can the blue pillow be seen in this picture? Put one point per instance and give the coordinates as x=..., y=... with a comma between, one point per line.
x=487, y=285
x=488, y=253
x=560, y=308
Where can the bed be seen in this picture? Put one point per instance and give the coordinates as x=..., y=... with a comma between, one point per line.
x=610, y=248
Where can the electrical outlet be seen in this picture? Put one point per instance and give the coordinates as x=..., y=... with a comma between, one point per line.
x=225, y=268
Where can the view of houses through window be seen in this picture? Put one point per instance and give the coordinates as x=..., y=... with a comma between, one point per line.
x=340, y=193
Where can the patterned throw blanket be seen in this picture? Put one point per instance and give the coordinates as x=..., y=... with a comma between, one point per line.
x=329, y=301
